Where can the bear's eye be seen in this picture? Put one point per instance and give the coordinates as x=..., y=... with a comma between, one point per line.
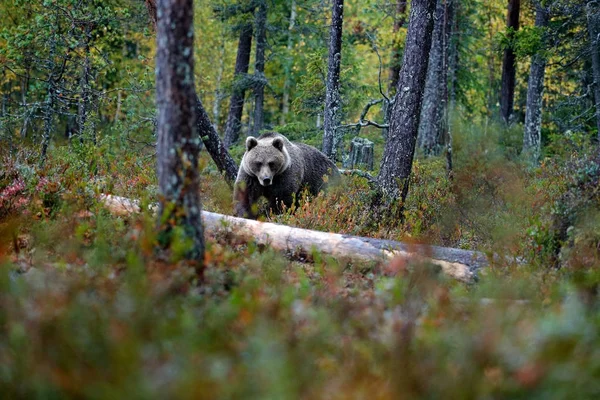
x=271, y=165
x=258, y=165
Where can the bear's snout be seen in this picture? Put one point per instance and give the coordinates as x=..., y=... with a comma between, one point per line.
x=266, y=181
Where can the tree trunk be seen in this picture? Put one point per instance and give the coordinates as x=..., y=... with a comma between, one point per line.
x=218, y=94
x=332, y=92
x=396, y=163
x=236, y=105
x=5, y=124
x=151, y=6
x=214, y=145
x=118, y=110
x=260, y=80
x=288, y=66
x=206, y=130
x=447, y=39
x=430, y=137
x=24, y=91
x=178, y=144
x=453, y=54
x=82, y=110
x=593, y=17
x=532, y=137
x=48, y=108
x=396, y=63
x=507, y=91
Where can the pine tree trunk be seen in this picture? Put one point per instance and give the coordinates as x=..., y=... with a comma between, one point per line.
x=205, y=128
x=532, y=137
x=430, y=137
x=397, y=160
x=84, y=84
x=216, y=111
x=24, y=91
x=447, y=39
x=178, y=143
x=453, y=54
x=593, y=17
x=288, y=66
x=509, y=70
x=332, y=92
x=259, y=70
x=215, y=147
x=48, y=108
x=236, y=105
x=396, y=63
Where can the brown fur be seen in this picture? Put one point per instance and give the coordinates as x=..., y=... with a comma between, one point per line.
x=277, y=169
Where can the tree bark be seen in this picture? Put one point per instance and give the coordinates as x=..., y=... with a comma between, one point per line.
x=151, y=7
x=288, y=66
x=236, y=105
x=48, y=108
x=453, y=37
x=396, y=63
x=397, y=160
x=430, y=136
x=178, y=144
x=82, y=110
x=593, y=17
x=215, y=147
x=460, y=264
x=206, y=130
x=260, y=80
x=332, y=92
x=218, y=93
x=532, y=137
x=507, y=91
x=450, y=9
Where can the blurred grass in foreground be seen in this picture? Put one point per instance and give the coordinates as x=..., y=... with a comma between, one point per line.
x=88, y=310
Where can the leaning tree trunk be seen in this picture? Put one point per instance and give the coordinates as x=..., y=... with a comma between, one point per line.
x=507, y=91
x=399, y=20
x=205, y=128
x=593, y=16
x=332, y=92
x=259, y=70
x=399, y=149
x=532, y=137
x=236, y=105
x=178, y=144
x=430, y=138
x=215, y=147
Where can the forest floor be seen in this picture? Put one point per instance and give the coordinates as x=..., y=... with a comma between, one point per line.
x=89, y=309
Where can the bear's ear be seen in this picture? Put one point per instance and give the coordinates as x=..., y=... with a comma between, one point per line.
x=278, y=143
x=251, y=143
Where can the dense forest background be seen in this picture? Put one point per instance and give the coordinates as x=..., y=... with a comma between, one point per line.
x=506, y=163
x=99, y=57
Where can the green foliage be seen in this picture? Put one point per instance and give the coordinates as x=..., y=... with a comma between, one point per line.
x=89, y=309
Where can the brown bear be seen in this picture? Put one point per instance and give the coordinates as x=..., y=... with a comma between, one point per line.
x=277, y=169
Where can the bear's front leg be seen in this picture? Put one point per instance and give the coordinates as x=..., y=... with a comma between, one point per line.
x=279, y=203
x=245, y=196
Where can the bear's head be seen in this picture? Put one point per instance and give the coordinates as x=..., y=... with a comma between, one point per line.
x=265, y=158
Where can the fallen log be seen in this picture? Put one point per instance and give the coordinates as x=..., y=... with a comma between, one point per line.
x=460, y=264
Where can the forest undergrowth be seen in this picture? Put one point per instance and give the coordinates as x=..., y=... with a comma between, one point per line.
x=89, y=309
